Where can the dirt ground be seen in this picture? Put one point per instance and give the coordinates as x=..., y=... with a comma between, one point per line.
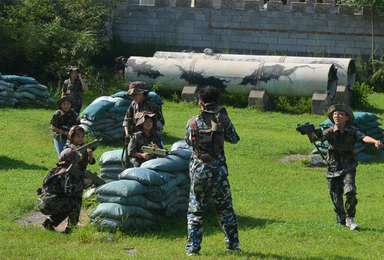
x=292, y=157
x=37, y=218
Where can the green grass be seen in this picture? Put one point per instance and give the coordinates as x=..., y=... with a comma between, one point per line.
x=284, y=209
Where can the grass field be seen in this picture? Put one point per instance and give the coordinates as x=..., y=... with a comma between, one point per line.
x=283, y=207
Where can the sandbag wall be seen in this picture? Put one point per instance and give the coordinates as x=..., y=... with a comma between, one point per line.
x=139, y=196
x=105, y=115
x=25, y=91
x=366, y=123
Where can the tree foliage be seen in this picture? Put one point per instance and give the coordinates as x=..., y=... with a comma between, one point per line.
x=47, y=36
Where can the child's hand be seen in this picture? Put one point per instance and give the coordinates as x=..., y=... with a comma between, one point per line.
x=89, y=151
x=378, y=144
x=146, y=156
x=154, y=146
x=87, y=181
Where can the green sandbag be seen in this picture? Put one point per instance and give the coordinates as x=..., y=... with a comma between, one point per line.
x=9, y=85
x=109, y=175
x=317, y=160
x=104, y=224
x=362, y=117
x=120, y=102
x=126, y=188
x=94, y=109
x=373, y=131
x=173, y=183
x=116, y=168
x=136, y=200
x=367, y=125
x=177, y=200
x=169, y=163
x=158, y=197
x=183, y=153
x=35, y=91
x=111, y=157
x=146, y=176
x=118, y=110
x=118, y=211
x=177, y=207
x=174, y=195
x=35, y=86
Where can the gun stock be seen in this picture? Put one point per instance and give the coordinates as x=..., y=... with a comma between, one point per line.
x=87, y=174
x=92, y=145
x=156, y=151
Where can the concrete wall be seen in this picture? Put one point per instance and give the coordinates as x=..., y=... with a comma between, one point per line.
x=297, y=28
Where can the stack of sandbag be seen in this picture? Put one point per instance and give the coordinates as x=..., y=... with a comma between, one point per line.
x=25, y=91
x=111, y=166
x=105, y=115
x=365, y=122
x=142, y=195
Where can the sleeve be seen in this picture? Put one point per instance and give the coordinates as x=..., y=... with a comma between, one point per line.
x=327, y=134
x=188, y=132
x=160, y=142
x=127, y=115
x=133, y=146
x=64, y=88
x=55, y=119
x=230, y=133
x=359, y=136
x=71, y=186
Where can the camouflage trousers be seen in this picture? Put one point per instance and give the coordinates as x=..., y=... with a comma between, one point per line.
x=339, y=186
x=202, y=189
x=59, y=207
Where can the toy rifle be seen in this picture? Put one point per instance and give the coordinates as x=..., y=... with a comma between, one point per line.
x=154, y=152
x=86, y=174
x=308, y=129
x=92, y=145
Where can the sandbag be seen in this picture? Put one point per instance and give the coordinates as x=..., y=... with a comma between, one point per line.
x=172, y=183
x=182, y=153
x=159, y=197
x=146, y=176
x=169, y=163
x=6, y=84
x=35, y=86
x=109, y=175
x=116, y=168
x=182, y=144
x=111, y=157
x=126, y=188
x=175, y=208
x=122, y=94
x=100, y=99
x=367, y=125
x=172, y=196
x=362, y=117
x=34, y=91
x=20, y=79
x=95, y=109
x=120, y=102
x=118, y=211
x=136, y=200
x=103, y=224
x=118, y=110
x=373, y=131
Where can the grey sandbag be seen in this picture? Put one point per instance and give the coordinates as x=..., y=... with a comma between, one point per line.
x=35, y=86
x=181, y=144
x=172, y=183
x=126, y=188
x=135, y=200
x=146, y=176
x=178, y=200
x=158, y=197
x=177, y=207
x=118, y=211
x=111, y=157
x=120, y=102
x=21, y=79
x=183, y=153
x=317, y=160
x=118, y=110
x=116, y=168
x=362, y=117
x=94, y=109
x=7, y=84
x=103, y=224
x=367, y=125
x=109, y=175
x=373, y=131
x=169, y=163
x=35, y=91
x=171, y=197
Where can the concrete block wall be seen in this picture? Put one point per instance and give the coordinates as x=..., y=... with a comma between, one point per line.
x=293, y=32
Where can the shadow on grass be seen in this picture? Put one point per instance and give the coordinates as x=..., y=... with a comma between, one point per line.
x=7, y=163
x=255, y=255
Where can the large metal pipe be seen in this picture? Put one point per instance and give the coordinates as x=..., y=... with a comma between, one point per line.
x=346, y=69
x=236, y=77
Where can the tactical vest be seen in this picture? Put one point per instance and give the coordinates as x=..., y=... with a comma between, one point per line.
x=52, y=182
x=208, y=143
x=73, y=88
x=67, y=121
x=348, y=144
x=140, y=139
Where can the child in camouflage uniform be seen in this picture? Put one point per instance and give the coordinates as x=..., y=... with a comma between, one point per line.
x=61, y=194
x=63, y=119
x=342, y=162
x=208, y=170
x=74, y=86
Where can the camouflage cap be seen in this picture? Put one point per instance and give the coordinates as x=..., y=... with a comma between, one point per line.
x=73, y=68
x=66, y=98
x=72, y=132
x=146, y=115
x=137, y=87
x=69, y=156
x=343, y=108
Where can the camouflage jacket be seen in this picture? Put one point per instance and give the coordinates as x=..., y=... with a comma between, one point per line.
x=340, y=156
x=62, y=183
x=139, y=139
x=60, y=119
x=82, y=165
x=73, y=88
x=135, y=111
x=197, y=166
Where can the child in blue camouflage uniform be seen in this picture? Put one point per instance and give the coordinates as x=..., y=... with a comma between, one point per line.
x=206, y=133
x=342, y=162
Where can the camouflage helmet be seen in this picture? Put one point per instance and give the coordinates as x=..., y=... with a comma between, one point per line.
x=137, y=87
x=73, y=68
x=343, y=108
x=153, y=116
x=72, y=132
x=69, y=156
x=66, y=98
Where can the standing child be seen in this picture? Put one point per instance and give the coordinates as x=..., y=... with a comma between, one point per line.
x=342, y=162
x=63, y=119
x=61, y=194
x=208, y=170
x=74, y=86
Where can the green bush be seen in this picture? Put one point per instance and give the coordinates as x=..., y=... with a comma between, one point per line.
x=360, y=95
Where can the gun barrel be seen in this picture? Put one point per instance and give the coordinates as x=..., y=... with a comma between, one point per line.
x=156, y=151
x=87, y=174
x=90, y=145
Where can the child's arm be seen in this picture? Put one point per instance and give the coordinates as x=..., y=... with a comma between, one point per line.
x=370, y=140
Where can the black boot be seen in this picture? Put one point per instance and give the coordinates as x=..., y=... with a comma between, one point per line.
x=48, y=224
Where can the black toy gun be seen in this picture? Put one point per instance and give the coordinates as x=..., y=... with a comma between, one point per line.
x=92, y=145
x=308, y=129
x=96, y=180
x=154, y=152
